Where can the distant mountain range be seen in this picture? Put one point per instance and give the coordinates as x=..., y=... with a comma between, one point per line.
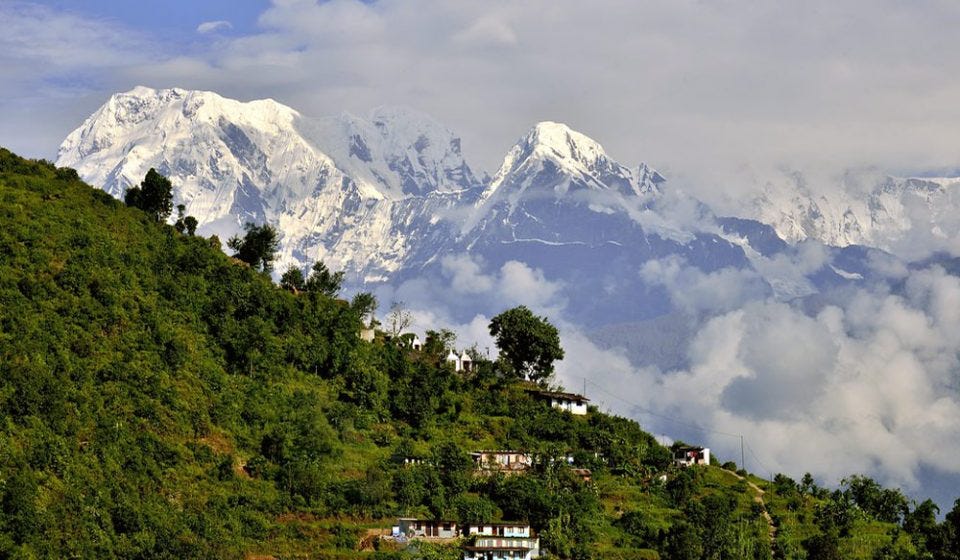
x=390, y=196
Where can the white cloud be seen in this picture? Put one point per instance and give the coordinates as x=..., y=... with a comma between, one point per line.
x=695, y=291
x=866, y=384
x=521, y=285
x=466, y=285
x=695, y=88
x=466, y=275
x=212, y=26
x=487, y=30
x=869, y=385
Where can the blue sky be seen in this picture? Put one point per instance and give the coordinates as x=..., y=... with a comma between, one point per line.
x=169, y=18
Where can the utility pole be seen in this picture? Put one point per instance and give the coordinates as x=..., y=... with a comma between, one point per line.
x=743, y=464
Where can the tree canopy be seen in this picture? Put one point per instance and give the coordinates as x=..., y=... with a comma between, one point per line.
x=154, y=196
x=258, y=247
x=528, y=344
x=323, y=281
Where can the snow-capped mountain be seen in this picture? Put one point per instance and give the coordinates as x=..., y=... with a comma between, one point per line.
x=390, y=198
x=348, y=190
x=908, y=216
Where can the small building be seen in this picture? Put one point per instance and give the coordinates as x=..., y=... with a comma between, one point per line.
x=410, y=340
x=453, y=359
x=501, y=541
x=689, y=456
x=493, y=461
x=586, y=475
x=461, y=362
x=368, y=334
x=413, y=528
x=571, y=402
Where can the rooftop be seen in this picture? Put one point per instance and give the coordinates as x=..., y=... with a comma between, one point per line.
x=559, y=395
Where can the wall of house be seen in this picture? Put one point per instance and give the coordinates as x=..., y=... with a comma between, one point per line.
x=522, y=531
x=499, y=555
x=508, y=542
x=578, y=408
x=428, y=529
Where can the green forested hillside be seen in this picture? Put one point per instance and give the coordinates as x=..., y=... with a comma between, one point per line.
x=160, y=399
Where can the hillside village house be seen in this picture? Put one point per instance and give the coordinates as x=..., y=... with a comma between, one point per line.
x=461, y=362
x=502, y=529
x=585, y=475
x=689, y=456
x=368, y=334
x=501, y=541
x=410, y=340
x=571, y=402
x=413, y=528
x=501, y=461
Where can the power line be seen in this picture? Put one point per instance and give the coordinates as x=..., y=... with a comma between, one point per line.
x=759, y=462
x=686, y=424
x=659, y=415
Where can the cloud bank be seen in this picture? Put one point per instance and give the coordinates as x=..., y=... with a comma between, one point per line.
x=866, y=381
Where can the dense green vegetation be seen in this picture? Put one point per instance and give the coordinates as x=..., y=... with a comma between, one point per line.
x=160, y=399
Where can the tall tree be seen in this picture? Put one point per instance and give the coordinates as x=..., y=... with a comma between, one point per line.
x=365, y=304
x=258, y=246
x=529, y=345
x=323, y=281
x=179, y=225
x=191, y=224
x=154, y=196
x=292, y=279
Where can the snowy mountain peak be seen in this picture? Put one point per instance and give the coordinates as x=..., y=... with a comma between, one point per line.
x=559, y=141
x=147, y=113
x=554, y=156
x=350, y=190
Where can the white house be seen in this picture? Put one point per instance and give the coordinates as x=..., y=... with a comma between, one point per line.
x=571, y=402
x=501, y=541
x=368, y=334
x=492, y=461
x=502, y=529
x=453, y=358
x=689, y=456
x=410, y=340
x=413, y=528
x=461, y=362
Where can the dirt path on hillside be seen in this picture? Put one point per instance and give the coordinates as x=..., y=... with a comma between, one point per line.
x=758, y=498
